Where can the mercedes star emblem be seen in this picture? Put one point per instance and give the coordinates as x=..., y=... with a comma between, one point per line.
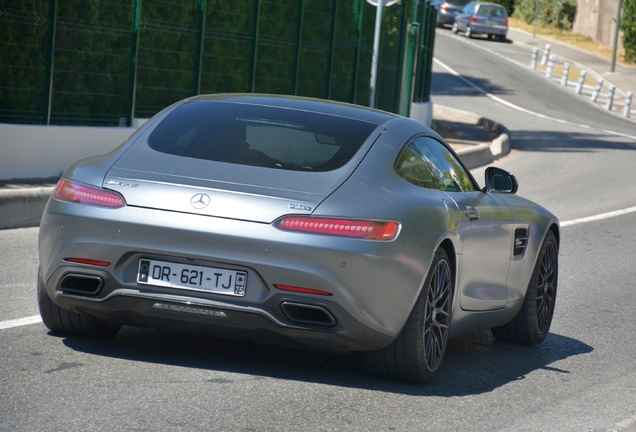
x=200, y=201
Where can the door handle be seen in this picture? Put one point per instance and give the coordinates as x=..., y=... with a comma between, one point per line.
x=472, y=213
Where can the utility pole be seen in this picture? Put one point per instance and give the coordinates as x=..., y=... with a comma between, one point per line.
x=616, y=34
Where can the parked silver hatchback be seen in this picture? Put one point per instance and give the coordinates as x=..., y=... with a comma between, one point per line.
x=478, y=18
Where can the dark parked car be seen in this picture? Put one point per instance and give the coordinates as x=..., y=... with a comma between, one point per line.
x=297, y=222
x=478, y=18
x=447, y=9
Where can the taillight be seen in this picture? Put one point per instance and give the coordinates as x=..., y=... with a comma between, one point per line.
x=473, y=18
x=353, y=228
x=88, y=261
x=445, y=8
x=506, y=22
x=68, y=190
x=302, y=290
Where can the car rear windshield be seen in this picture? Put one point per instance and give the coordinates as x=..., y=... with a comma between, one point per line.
x=262, y=136
x=492, y=11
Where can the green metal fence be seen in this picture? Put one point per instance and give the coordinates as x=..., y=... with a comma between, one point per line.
x=104, y=62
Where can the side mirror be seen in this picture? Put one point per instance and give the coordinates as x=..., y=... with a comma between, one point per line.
x=498, y=180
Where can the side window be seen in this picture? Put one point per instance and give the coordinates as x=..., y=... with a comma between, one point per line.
x=427, y=163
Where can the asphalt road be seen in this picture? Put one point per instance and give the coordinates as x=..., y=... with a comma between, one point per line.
x=583, y=378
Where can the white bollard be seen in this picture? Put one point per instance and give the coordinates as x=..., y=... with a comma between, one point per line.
x=581, y=83
x=546, y=54
x=610, y=98
x=597, y=90
x=566, y=72
x=550, y=69
x=628, y=104
x=535, y=57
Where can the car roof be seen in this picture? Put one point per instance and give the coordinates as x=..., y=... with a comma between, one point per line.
x=327, y=107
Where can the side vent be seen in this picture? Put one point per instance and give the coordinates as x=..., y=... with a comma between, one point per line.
x=521, y=242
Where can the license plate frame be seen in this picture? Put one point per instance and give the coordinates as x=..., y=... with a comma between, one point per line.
x=170, y=274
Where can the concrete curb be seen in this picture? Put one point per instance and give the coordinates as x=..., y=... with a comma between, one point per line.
x=479, y=154
x=22, y=208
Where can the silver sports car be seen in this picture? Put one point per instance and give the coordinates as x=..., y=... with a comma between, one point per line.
x=297, y=222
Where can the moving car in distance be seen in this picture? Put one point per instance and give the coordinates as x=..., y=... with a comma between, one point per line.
x=479, y=18
x=446, y=11
x=297, y=222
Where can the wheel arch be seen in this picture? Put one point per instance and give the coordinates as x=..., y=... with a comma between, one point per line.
x=449, y=248
x=557, y=233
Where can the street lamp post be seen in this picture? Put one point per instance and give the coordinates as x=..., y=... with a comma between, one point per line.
x=536, y=17
x=615, y=47
x=380, y=5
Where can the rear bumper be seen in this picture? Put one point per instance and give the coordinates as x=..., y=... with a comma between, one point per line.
x=489, y=30
x=373, y=284
x=445, y=18
x=266, y=323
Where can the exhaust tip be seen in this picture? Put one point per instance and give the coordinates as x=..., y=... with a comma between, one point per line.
x=80, y=284
x=308, y=314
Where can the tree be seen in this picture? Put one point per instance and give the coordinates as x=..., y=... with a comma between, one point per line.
x=552, y=13
x=628, y=26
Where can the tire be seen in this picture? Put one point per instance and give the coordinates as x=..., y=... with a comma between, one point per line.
x=468, y=33
x=532, y=323
x=417, y=353
x=70, y=323
x=454, y=29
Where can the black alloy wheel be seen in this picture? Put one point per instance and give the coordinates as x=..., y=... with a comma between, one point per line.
x=546, y=287
x=532, y=323
x=417, y=353
x=437, y=314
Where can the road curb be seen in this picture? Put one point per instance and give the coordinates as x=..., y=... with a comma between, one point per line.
x=479, y=154
x=22, y=208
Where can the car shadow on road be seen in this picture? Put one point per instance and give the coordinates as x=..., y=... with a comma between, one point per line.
x=551, y=141
x=474, y=364
x=445, y=84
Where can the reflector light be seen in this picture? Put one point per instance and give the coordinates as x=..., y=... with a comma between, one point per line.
x=67, y=190
x=360, y=229
x=302, y=290
x=88, y=261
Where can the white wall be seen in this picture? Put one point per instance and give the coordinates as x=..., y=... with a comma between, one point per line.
x=28, y=151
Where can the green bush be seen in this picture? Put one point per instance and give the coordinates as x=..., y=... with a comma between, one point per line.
x=628, y=26
x=552, y=13
x=508, y=4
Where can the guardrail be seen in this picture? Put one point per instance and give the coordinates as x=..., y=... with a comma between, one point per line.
x=589, y=84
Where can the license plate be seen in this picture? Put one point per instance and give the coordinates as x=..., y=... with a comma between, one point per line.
x=174, y=275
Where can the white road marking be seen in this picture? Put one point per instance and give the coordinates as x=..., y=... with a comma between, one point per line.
x=599, y=217
x=20, y=322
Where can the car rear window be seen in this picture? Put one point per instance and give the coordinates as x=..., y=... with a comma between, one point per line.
x=262, y=136
x=492, y=11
